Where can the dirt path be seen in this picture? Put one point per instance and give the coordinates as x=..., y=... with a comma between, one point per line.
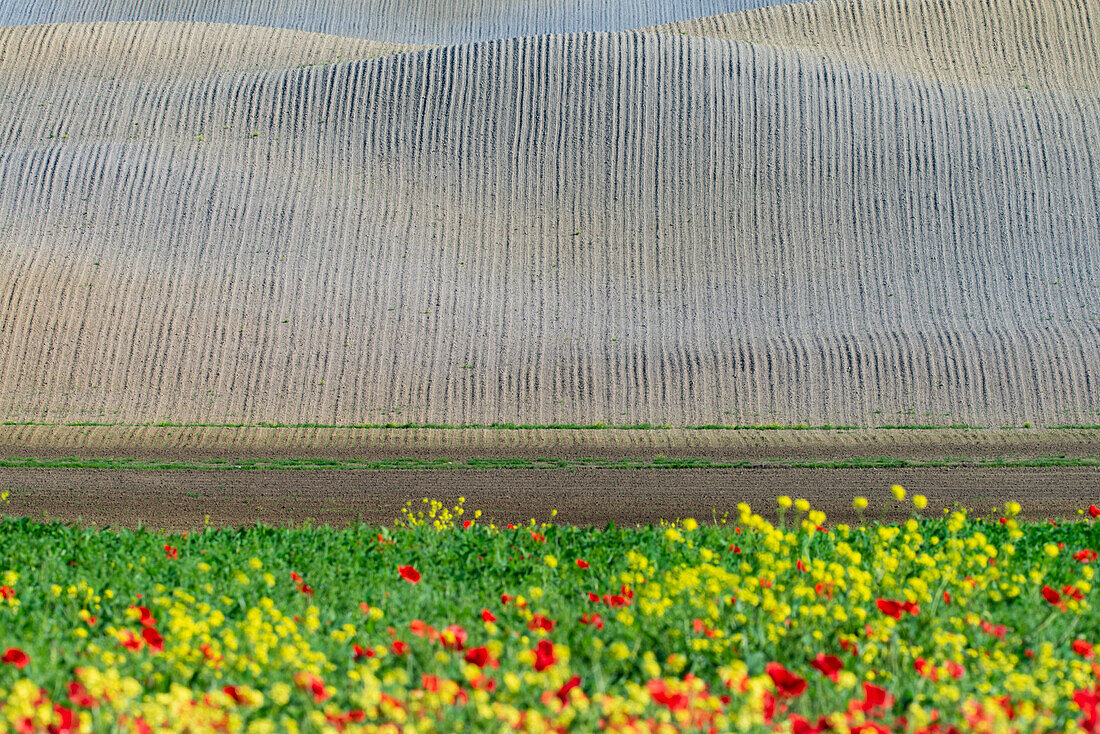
x=182, y=499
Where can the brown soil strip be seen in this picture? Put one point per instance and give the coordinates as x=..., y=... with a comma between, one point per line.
x=182, y=499
x=175, y=443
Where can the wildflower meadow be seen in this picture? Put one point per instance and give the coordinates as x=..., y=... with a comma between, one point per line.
x=445, y=623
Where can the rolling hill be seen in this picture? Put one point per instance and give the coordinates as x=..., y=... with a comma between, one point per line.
x=843, y=212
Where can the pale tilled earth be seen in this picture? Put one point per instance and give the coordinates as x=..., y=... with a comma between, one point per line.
x=681, y=213
x=843, y=211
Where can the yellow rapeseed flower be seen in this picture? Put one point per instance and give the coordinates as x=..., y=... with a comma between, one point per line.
x=899, y=492
x=784, y=501
x=920, y=501
x=860, y=503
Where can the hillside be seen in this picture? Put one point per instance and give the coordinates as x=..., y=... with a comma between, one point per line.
x=831, y=212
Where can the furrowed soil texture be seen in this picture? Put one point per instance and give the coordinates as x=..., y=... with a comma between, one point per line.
x=190, y=500
x=836, y=212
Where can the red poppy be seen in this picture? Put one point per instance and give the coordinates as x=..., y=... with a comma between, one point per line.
x=593, y=619
x=829, y=665
x=1084, y=649
x=361, y=652
x=466, y=524
x=456, y=640
x=875, y=697
x=735, y=548
x=409, y=573
x=563, y=692
x=365, y=607
x=800, y=566
x=399, y=647
x=544, y=655
x=540, y=622
x=153, y=639
x=926, y=670
x=479, y=656
x=295, y=577
x=420, y=628
x=1087, y=555
x=171, y=552
x=234, y=693
x=661, y=694
x=147, y=619
x=1089, y=703
x=505, y=598
x=140, y=725
x=487, y=616
x=209, y=654
x=946, y=597
x=79, y=695
x=955, y=670
x=6, y=592
x=701, y=628
x=892, y=608
x=312, y=684
x=15, y=656
x=769, y=706
x=889, y=607
x=1052, y=596
x=583, y=564
x=1073, y=592
x=67, y=721
x=787, y=684
x=131, y=641
x=1094, y=511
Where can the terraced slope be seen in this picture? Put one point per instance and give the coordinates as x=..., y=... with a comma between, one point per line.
x=634, y=227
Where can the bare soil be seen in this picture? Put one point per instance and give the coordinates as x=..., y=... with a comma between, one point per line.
x=844, y=212
x=171, y=443
x=183, y=499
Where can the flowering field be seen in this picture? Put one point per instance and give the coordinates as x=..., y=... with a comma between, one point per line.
x=444, y=623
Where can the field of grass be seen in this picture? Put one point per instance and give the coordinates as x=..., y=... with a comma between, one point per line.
x=442, y=623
